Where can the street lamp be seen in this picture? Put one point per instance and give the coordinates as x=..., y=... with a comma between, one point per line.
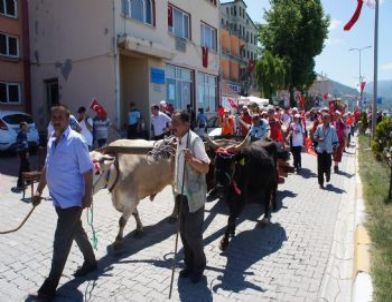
x=360, y=68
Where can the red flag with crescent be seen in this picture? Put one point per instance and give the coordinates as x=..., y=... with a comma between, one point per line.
x=205, y=56
x=355, y=16
x=98, y=108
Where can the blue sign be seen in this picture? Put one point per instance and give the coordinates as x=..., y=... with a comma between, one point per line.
x=157, y=75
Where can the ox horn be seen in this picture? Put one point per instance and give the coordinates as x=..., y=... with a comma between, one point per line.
x=214, y=145
x=106, y=157
x=244, y=143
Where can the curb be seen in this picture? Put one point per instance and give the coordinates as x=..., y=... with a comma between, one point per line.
x=362, y=281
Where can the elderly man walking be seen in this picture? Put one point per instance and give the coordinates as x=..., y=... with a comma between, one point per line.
x=68, y=174
x=327, y=142
x=191, y=165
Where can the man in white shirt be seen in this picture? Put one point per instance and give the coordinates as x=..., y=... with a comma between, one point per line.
x=191, y=166
x=160, y=123
x=86, y=125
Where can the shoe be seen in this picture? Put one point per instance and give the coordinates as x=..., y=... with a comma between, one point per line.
x=336, y=169
x=85, y=269
x=328, y=177
x=40, y=298
x=185, y=273
x=298, y=170
x=322, y=186
x=196, y=278
x=17, y=189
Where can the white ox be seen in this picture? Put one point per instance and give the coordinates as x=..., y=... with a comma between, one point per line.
x=132, y=177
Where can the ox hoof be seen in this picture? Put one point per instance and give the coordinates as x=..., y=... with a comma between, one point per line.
x=171, y=220
x=223, y=244
x=138, y=233
x=117, y=245
x=264, y=222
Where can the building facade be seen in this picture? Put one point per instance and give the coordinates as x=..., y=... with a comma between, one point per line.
x=239, y=49
x=122, y=51
x=14, y=56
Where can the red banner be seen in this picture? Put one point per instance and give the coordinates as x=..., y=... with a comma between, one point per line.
x=362, y=85
x=205, y=56
x=355, y=16
x=170, y=16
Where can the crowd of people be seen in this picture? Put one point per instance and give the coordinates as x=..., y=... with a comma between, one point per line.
x=324, y=133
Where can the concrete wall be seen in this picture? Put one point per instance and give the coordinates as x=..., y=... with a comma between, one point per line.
x=12, y=70
x=200, y=10
x=72, y=41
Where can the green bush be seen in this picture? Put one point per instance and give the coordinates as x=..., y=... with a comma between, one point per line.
x=363, y=123
x=382, y=142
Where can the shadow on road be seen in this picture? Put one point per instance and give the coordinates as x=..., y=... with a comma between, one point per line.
x=307, y=173
x=348, y=175
x=259, y=242
x=332, y=188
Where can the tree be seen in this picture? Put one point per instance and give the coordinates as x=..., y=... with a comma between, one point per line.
x=271, y=74
x=295, y=31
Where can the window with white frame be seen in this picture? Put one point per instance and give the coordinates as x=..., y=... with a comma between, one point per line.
x=179, y=86
x=10, y=93
x=8, y=8
x=9, y=46
x=207, y=91
x=140, y=10
x=208, y=36
x=180, y=24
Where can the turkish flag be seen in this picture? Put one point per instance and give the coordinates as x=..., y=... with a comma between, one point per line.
x=98, y=108
x=205, y=56
x=355, y=16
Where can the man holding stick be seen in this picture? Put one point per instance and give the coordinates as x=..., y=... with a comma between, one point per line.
x=191, y=166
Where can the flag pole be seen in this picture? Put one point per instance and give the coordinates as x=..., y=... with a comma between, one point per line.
x=374, y=109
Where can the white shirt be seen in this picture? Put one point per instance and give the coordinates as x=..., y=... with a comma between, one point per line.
x=199, y=153
x=159, y=123
x=297, y=134
x=85, y=131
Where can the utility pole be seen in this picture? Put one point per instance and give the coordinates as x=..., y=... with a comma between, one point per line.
x=374, y=115
x=360, y=77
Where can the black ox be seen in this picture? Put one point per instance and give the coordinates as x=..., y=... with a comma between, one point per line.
x=248, y=173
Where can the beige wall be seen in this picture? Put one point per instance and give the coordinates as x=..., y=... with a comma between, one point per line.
x=73, y=41
x=200, y=10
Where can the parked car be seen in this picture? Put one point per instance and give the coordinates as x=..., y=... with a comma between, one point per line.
x=9, y=128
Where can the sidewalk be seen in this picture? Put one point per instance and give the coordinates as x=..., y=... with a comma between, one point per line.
x=294, y=259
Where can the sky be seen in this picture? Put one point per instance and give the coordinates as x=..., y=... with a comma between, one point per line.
x=336, y=61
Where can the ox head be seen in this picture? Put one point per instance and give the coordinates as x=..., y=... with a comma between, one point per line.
x=226, y=160
x=102, y=164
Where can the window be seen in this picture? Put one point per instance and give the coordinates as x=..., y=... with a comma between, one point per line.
x=179, y=86
x=140, y=10
x=180, y=24
x=207, y=88
x=8, y=8
x=10, y=93
x=227, y=11
x=9, y=46
x=208, y=36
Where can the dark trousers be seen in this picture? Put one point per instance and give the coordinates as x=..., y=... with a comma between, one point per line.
x=101, y=142
x=324, y=162
x=23, y=167
x=132, y=131
x=69, y=228
x=296, y=151
x=191, y=232
x=158, y=137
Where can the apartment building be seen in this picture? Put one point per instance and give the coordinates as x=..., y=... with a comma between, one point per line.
x=14, y=56
x=122, y=51
x=239, y=49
